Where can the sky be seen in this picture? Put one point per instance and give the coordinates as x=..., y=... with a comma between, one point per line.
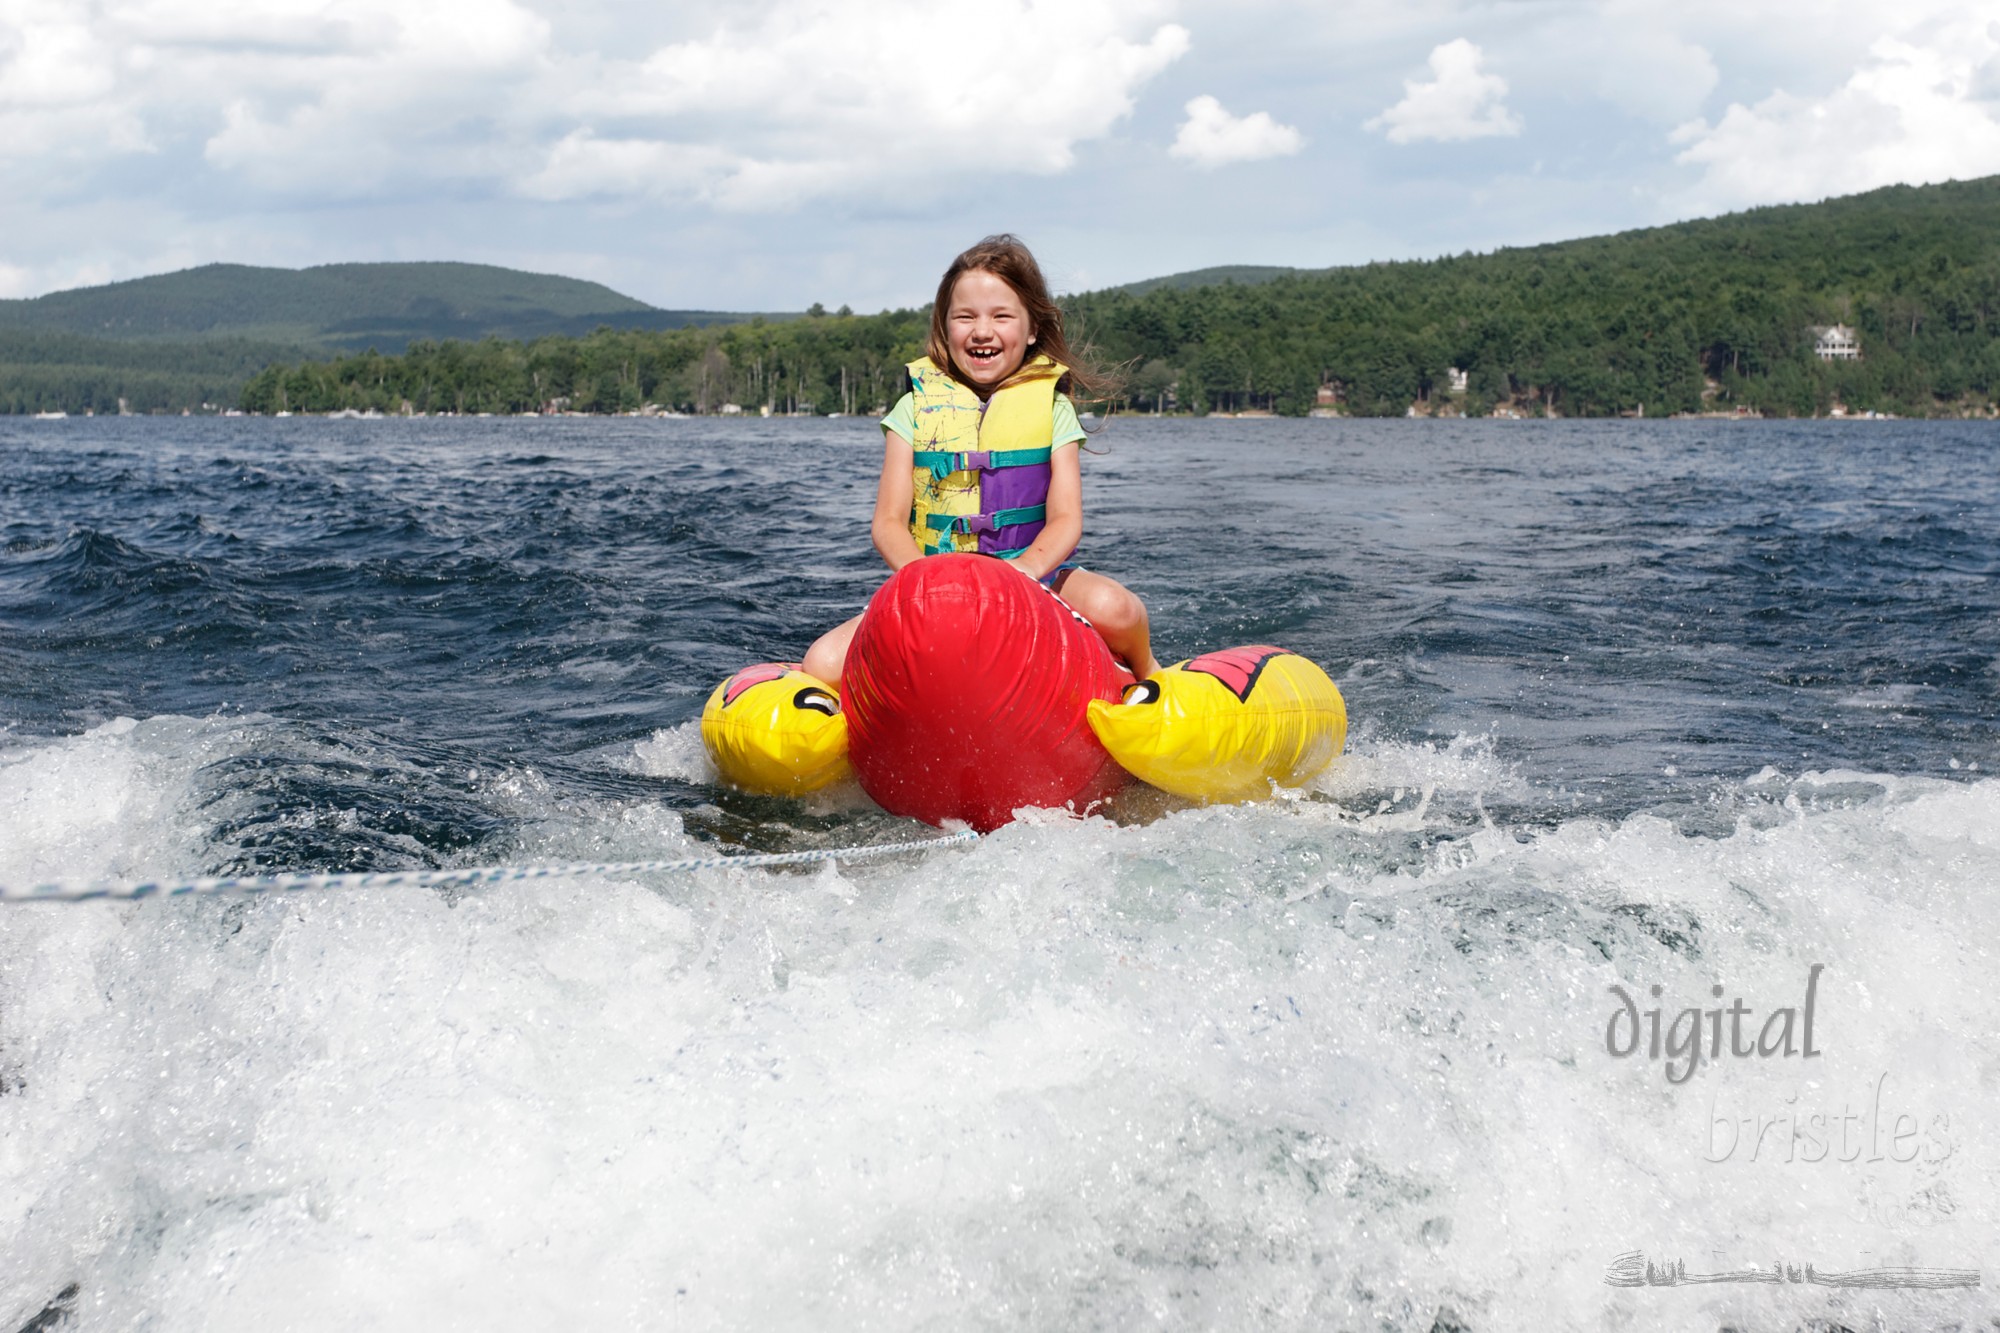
x=763, y=156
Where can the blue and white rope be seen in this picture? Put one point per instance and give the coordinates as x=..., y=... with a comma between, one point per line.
x=409, y=879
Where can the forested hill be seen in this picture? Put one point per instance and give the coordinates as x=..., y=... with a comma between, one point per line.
x=341, y=306
x=1728, y=306
x=1246, y=275
x=191, y=339
x=1715, y=315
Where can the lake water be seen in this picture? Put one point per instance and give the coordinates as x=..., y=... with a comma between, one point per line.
x=1686, y=705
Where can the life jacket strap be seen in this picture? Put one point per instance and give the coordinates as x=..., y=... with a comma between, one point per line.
x=1008, y=554
x=942, y=463
x=993, y=522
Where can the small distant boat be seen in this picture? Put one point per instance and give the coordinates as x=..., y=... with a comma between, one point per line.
x=51, y=416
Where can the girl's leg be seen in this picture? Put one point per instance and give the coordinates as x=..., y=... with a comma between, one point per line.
x=828, y=655
x=1117, y=613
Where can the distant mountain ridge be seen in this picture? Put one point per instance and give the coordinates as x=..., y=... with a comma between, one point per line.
x=1719, y=316
x=1222, y=275
x=342, y=307
x=1715, y=315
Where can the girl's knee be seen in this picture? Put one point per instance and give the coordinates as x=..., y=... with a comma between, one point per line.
x=823, y=662
x=1112, y=606
x=827, y=658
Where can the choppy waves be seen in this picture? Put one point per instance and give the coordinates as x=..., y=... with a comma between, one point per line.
x=1636, y=706
x=1333, y=1061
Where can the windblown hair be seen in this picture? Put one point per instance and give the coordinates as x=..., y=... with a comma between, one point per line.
x=1006, y=258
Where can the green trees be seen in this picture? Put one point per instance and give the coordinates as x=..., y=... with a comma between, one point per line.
x=825, y=363
x=50, y=372
x=1717, y=314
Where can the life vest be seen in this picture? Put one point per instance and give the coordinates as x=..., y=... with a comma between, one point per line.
x=981, y=471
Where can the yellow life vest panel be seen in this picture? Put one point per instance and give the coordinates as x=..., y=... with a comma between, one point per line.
x=980, y=479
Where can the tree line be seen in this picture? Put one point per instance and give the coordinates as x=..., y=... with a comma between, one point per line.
x=1720, y=314
x=1714, y=315
x=817, y=364
x=64, y=372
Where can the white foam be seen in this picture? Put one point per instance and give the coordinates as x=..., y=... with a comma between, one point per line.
x=1464, y=765
x=675, y=752
x=1885, y=696
x=101, y=805
x=1331, y=1065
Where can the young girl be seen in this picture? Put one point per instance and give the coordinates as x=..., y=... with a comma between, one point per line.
x=977, y=458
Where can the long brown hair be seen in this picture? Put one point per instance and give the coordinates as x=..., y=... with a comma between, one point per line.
x=1006, y=258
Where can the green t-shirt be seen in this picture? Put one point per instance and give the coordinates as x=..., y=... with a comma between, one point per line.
x=902, y=419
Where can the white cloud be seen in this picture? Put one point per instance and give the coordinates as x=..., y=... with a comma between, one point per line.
x=287, y=95
x=1640, y=66
x=393, y=93
x=57, y=85
x=18, y=280
x=1460, y=102
x=299, y=26
x=1211, y=137
x=1919, y=108
x=854, y=92
x=667, y=148
x=582, y=165
x=764, y=107
x=49, y=57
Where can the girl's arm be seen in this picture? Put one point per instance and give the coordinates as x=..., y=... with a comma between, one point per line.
x=1064, y=526
x=893, y=495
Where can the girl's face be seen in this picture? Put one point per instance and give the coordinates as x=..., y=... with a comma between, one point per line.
x=987, y=329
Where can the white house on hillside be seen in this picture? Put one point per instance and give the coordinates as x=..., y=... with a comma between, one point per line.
x=1837, y=344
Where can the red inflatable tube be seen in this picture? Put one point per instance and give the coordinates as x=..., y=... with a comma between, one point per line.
x=966, y=690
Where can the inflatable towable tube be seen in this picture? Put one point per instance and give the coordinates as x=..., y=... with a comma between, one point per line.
x=971, y=691
x=966, y=691
x=1225, y=726
x=773, y=729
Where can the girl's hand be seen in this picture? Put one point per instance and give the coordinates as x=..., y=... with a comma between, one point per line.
x=1063, y=527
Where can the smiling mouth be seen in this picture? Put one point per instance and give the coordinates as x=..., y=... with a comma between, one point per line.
x=981, y=356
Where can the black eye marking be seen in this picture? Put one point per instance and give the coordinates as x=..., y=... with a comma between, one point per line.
x=816, y=699
x=1142, y=692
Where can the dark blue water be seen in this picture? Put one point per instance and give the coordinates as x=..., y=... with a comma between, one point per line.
x=1675, y=704
x=1608, y=601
